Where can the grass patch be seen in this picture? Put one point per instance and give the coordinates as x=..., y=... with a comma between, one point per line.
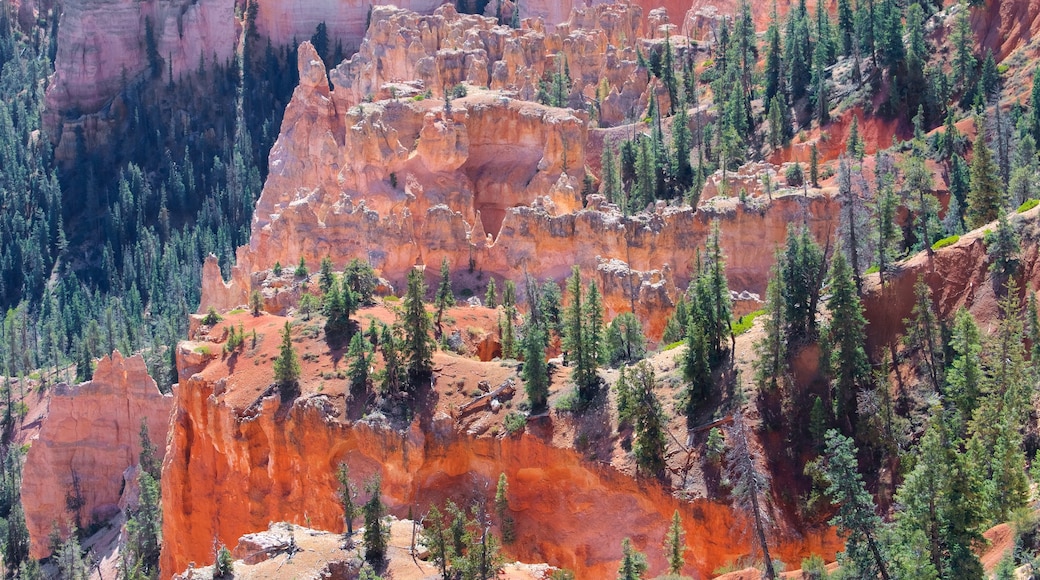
x=873, y=269
x=743, y=324
x=674, y=345
x=236, y=311
x=1028, y=205
x=945, y=242
x=392, y=299
x=203, y=349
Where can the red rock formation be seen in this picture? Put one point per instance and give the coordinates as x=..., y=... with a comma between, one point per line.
x=90, y=433
x=489, y=188
x=233, y=468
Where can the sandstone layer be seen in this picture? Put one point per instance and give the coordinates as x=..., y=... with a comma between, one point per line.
x=235, y=464
x=90, y=436
x=492, y=186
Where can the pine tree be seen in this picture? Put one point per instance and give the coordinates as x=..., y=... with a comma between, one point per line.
x=625, y=342
x=965, y=374
x=650, y=443
x=771, y=363
x=507, y=332
x=347, y=496
x=849, y=367
x=577, y=342
x=750, y=485
x=287, y=365
x=326, y=278
x=535, y=371
x=375, y=536
x=490, y=298
x=595, y=332
x=682, y=148
x=675, y=546
x=610, y=185
x=923, y=332
x=696, y=370
x=418, y=346
x=393, y=376
x=360, y=362
x=885, y=229
x=986, y=196
x=434, y=537
x=802, y=275
x=633, y=563
x=550, y=305
x=857, y=518
x=1003, y=246
x=939, y=502
x=445, y=298
x=505, y=519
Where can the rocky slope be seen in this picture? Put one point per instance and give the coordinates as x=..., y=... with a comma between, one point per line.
x=493, y=187
x=240, y=458
x=88, y=440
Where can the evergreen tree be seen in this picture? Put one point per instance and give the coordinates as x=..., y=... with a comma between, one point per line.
x=771, y=363
x=675, y=546
x=963, y=41
x=749, y=485
x=577, y=343
x=360, y=362
x=1003, y=246
x=376, y=533
x=857, y=518
x=550, y=305
x=696, y=370
x=445, y=298
x=923, y=332
x=965, y=374
x=490, y=298
x=885, y=229
x=394, y=375
x=435, y=538
x=849, y=367
x=939, y=501
x=287, y=365
x=986, y=196
x=505, y=519
x=535, y=371
x=418, y=346
x=326, y=279
x=917, y=187
x=802, y=276
x=625, y=341
x=610, y=185
x=633, y=563
x=595, y=332
x=682, y=148
x=650, y=440
x=347, y=496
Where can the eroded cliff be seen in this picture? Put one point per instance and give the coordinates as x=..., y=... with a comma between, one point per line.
x=240, y=458
x=89, y=437
x=491, y=185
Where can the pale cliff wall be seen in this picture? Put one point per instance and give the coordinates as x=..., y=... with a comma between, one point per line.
x=91, y=432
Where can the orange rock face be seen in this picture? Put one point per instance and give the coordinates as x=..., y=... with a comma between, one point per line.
x=90, y=434
x=492, y=187
x=232, y=470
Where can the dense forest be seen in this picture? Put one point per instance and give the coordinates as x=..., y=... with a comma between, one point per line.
x=104, y=252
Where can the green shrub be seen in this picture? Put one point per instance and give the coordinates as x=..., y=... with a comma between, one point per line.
x=945, y=242
x=514, y=423
x=873, y=269
x=211, y=317
x=1028, y=205
x=743, y=324
x=794, y=175
x=223, y=568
